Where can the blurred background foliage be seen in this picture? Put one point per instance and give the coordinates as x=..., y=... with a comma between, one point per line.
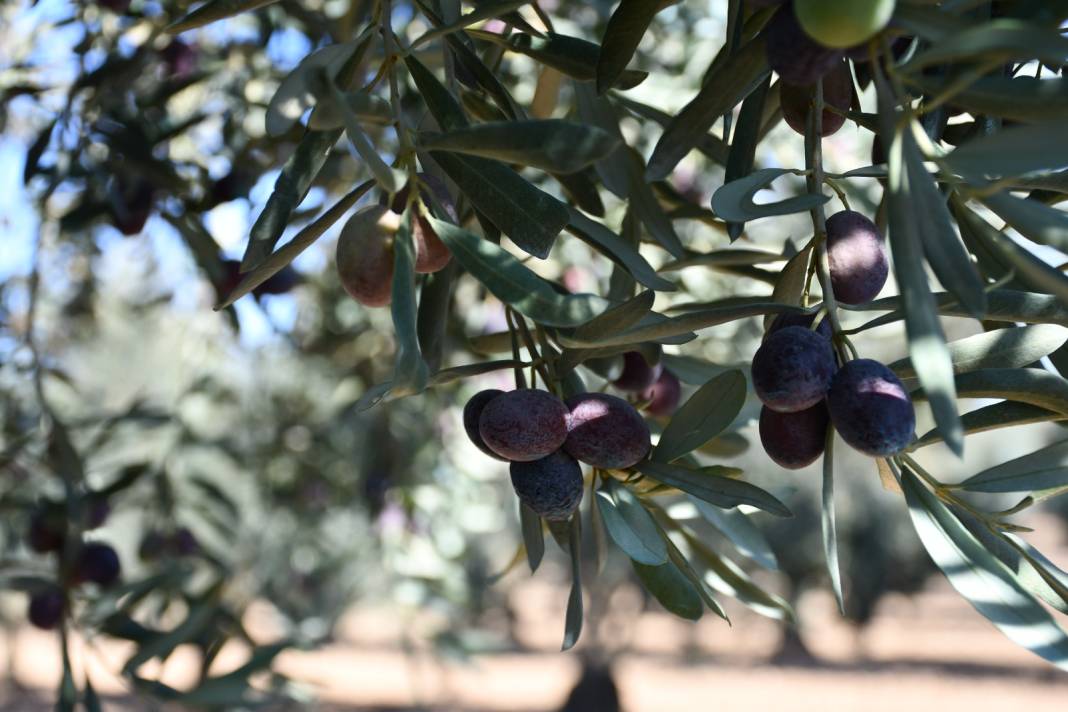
x=132, y=164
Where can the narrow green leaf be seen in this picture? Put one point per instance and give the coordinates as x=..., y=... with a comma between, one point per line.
x=744, y=143
x=617, y=249
x=672, y=589
x=387, y=177
x=528, y=215
x=733, y=201
x=1013, y=151
x=302, y=88
x=409, y=369
x=983, y=580
x=164, y=643
x=730, y=257
x=68, y=692
x=1045, y=468
x=444, y=107
x=710, y=484
x=533, y=536
x=740, y=530
x=549, y=144
x=573, y=617
x=1034, y=220
x=1001, y=305
x=734, y=81
x=1000, y=348
x=290, y=189
x=728, y=578
x=276, y=261
x=927, y=343
x=618, y=317
x=486, y=11
x=829, y=526
x=707, y=315
x=513, y=283
x=934, y=228
x=645, y=204
x=622, y=35
x=1031, y=272
x=1025, y=385
x=214, y=10
x=1010, y=39
x=1005, y=414
x=1022, y=98
x=631, y=527
x=90, y=699
x=367, y=108
x=432, y=323
x=577, y=58
x=705, y=415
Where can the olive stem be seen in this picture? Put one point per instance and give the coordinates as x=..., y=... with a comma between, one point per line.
x=815, y=179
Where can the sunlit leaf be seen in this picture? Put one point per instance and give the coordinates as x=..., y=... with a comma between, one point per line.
x=1000, y=348
x=978, y=576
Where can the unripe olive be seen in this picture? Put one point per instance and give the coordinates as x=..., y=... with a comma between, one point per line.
x=365, y=258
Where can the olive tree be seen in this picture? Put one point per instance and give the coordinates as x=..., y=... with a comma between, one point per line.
x=549, y=160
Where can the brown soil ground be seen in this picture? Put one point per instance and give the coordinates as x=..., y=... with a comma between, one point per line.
x=928, y=653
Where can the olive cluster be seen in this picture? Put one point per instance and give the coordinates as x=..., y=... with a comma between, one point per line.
x=544, y=438
x=365, y=247
x=797, y=376
x=88, y=561
x=812, y=40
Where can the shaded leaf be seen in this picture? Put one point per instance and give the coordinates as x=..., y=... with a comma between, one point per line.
x=290, y=189
x=1022, y=98
x=1012, y=151
x=214, y=10
x=710, y=484
x=671, y=588
x=528, y=215
x=733, y=201
x=744, y=143
x=617, y=249
x=731, y=83
x=573, y=617
x=631, y=527
x=303, y=87
x=706, y=414
x=624, y=32
x=1025, y=385
x=274, y=262
x=934, y=228
x=1032, y=219
x=533, y=536
x=513, y=283
x=549, y=144
x=409, y=369
x=739, y=528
